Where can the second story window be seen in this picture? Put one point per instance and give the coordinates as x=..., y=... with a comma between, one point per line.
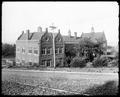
x=60, y=50
x=57, y=50
x=23, y=50
x=30, y=51
x=49, y=51
x=18, y=49
x=44, y=51
x=35, y=51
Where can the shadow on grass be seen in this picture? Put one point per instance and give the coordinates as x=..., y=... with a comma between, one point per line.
x=109, y=88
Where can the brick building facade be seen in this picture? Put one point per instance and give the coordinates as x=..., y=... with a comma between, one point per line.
x=36, y=48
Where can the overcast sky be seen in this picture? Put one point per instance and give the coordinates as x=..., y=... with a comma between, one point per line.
x=77, y=16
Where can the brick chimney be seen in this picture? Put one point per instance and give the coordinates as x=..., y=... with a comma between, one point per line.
x=20, y=35
x=92, y=30
x=39, y=29
x=46, y=29
x=75, y=33
x=58, y=30
x=27, y=34
x=69, y=33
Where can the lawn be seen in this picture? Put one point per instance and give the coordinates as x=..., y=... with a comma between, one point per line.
x=70, y=82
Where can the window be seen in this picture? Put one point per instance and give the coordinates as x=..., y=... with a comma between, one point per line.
x=49, y=51
x=35, y=51
x=18, y=49
x=43, y=62
x=29, y=51
x=60, y=50
x=56, y=50
x=47, y=38
x=43, y=51
x=23, y=50
x=48, y=62
x=59, y=39
x=30, y=63
x=35, y=64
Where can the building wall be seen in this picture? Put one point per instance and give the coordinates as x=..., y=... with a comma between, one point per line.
x=27, y=57
x=46, y=42
x=59, y=44
x=49, y=44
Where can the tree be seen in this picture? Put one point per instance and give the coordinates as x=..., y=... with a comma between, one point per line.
x=8, y=50
x=70, y=53
x=90, y=49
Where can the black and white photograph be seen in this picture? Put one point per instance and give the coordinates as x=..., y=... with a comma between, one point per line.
x=60, y=48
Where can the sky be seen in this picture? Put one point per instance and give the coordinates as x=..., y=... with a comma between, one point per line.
x=75, y=16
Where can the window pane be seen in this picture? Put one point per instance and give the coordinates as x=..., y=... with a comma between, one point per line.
x=30, y=51
x=43, y=51
x=56, y=50
x=43, y=62
x=23, y=50
x=49, y=51
x=60, y=50
x=35, y=51
x=48, y=62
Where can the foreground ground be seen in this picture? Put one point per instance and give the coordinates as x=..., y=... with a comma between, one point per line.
x=32, y=82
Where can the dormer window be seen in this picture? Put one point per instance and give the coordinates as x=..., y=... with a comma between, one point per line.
x=59, y=39
x=47, y=38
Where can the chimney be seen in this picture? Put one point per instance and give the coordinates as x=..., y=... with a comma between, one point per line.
x=27, y=34
x=69, y=33
x=22, y=32
x=20, y=35
x=39, y=29
x=75, y=33
x=92, y=30
x=59, y=31
x=46, y=29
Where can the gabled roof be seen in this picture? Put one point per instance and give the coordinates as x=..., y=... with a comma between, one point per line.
x=38, y=35
x=35, y=35
x=94, y=36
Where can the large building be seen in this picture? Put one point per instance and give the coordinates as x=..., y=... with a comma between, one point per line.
x=44, y=48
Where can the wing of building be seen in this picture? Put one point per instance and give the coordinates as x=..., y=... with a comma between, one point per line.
x=36, y=48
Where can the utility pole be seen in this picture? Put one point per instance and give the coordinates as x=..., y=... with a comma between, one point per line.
x=52, y=28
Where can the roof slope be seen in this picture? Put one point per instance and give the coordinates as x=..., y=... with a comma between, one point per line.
x=35, y=35
x=95, y=36
x=38, y=35
x=72, y=39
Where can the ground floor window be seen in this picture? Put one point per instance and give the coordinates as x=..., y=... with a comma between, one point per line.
x=59, y=62
x=48, y=62
x=43, y=62
x=30, y=63
x=35, y=64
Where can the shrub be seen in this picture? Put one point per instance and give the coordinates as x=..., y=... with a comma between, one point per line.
x=109, y=88
x=100, y=62
x=113, y=63
x=78, y=62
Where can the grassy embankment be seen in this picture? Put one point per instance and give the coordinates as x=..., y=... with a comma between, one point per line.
x=30, y=83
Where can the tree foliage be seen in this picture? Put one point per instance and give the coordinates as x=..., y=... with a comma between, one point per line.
x=90, y=49
x=70, y=53
x=8, y=50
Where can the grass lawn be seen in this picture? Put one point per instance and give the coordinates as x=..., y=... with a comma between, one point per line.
x=69, y=82
x=99, y=70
